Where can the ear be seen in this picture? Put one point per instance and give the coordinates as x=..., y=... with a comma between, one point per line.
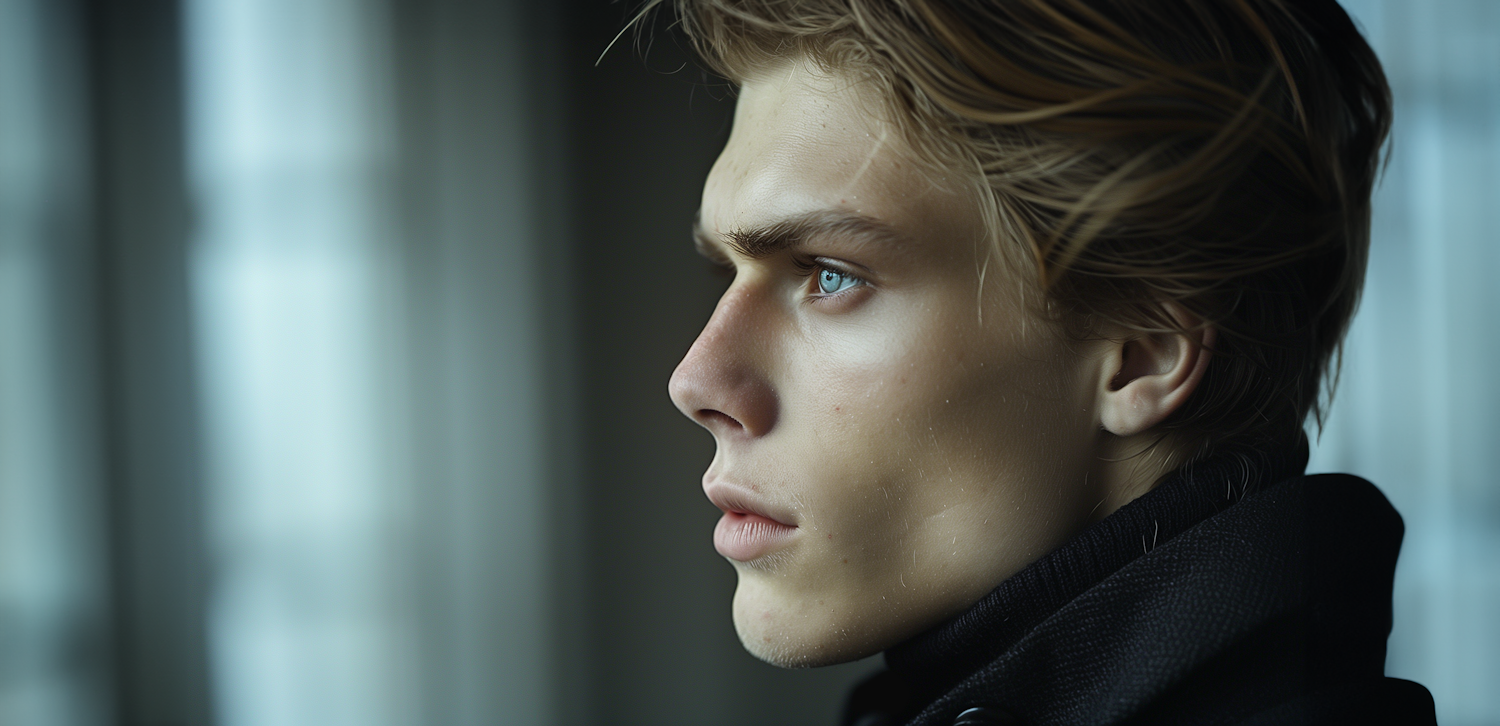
x=1148, y=376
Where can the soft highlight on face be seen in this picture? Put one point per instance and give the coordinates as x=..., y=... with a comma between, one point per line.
x=927, y=436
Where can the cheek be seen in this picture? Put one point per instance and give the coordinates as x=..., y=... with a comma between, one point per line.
x=840, y=377
x=866, y=411
x=848, y=406
x=900, y=424
x=858, y=390
x=926, y=385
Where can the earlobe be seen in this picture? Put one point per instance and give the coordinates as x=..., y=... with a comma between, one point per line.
x=1149, y=376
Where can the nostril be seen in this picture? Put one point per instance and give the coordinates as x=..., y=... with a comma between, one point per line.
x=718, y=419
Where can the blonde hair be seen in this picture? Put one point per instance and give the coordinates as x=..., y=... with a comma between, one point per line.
x=1219, y=154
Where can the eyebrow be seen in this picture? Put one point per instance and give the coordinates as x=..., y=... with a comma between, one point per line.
x=788, y=234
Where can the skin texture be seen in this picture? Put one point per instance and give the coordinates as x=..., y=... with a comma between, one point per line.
x=925, y=434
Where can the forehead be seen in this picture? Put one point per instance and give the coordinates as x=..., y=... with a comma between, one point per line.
x=807, y=141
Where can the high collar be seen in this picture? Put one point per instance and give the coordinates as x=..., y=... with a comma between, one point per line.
x=1237, y=591
x=933, y=662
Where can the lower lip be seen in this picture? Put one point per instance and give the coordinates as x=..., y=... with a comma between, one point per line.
x=745, y=537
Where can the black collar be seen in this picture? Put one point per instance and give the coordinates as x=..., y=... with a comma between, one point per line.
x=935, y=661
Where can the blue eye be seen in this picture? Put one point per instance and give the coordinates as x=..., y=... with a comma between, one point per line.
x=832, y=281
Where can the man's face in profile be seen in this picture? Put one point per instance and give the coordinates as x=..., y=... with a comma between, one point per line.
x=897, y=433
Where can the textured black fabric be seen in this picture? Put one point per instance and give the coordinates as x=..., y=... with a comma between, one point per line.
x=1216, y=598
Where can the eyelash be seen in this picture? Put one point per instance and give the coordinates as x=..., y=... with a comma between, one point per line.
x=808, y=267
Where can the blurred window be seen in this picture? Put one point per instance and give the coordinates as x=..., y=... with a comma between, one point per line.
x=289, y=163
x=53, y=620
x=1418, y=407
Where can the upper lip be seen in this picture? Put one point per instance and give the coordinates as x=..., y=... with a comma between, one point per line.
x=733, y=498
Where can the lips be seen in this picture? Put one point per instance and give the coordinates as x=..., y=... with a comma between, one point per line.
x=749, y=530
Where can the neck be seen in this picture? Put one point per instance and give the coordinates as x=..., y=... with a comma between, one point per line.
x=1125, y=468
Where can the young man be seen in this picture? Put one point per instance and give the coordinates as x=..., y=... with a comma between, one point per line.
x=1030, y=302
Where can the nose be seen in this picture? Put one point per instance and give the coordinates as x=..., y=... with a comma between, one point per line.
x=722, y=382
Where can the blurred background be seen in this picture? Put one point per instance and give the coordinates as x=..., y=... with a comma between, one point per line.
x=334, y=340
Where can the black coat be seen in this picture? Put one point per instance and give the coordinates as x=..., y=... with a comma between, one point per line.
x=1216, y=598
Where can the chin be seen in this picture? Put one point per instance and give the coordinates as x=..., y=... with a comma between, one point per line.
x=798, y=632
